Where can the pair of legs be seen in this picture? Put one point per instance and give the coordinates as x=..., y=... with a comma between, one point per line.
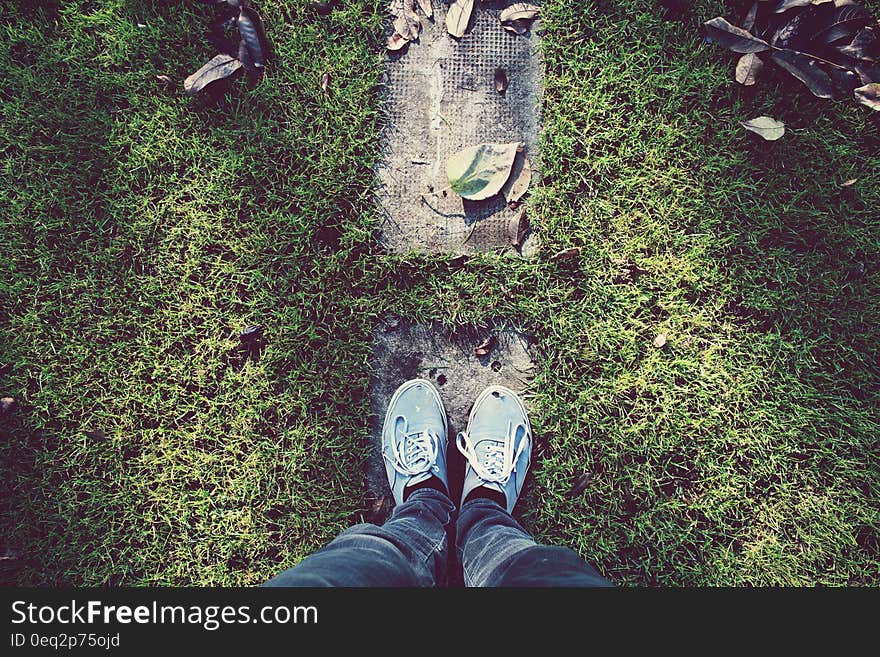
x=412, y=547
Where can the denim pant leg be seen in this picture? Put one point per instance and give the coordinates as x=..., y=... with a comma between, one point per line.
x=494, y=550
x=410, y=549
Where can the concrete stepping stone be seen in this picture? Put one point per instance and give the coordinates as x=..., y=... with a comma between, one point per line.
x=404, y=350
x=440, y=99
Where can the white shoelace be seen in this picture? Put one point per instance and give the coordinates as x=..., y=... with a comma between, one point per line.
x=419, y=447
x=499, y=460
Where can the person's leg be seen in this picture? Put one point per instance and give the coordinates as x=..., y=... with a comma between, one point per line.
x=411, y=548
x=493, y=549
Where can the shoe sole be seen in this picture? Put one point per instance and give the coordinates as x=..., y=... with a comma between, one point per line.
x=410, y=384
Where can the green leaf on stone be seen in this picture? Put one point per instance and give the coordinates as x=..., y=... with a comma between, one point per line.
x=479, y=172
x=769, y=128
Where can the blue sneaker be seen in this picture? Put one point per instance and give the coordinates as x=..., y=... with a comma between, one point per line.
x=414, y=437
x=497, y=444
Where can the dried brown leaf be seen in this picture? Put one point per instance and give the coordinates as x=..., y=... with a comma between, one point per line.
x=501, y=81
x=519, y=26
x=250, y=27
x=325, y=81
x=660, y=341
x=520, y=11
x=869, y=95
x=807, y=70
x=408, y=24
x=458, y=17
x=865, y=45
x=485, y=347
x=849, y=183
x=749, y=20
x=520, y=178
x=785, y=5
x=219, y=68
x=517, y=228
x=734, y=38
x=396, y=42
x=748, y=68
x=427, y=9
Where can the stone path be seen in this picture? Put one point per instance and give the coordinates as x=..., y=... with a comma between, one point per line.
x=440, y=99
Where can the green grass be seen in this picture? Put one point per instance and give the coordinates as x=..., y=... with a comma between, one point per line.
x=141, y=231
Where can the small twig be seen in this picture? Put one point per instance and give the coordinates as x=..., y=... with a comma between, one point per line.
x=442, y=214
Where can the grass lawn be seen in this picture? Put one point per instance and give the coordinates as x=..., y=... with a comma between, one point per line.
x=142, y=230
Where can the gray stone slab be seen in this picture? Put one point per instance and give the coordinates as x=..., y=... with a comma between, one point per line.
x=441, y=98
x=404, y=350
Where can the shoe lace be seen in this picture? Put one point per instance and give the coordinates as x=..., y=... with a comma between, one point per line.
x=418, y=453
x=499, y=458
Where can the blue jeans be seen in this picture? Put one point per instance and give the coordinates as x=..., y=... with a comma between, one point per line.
x=412, y=549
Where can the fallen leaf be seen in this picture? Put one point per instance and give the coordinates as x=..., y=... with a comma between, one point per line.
x=807, y=70
x=426, y=7
x=734, y=38
x=580, y=485
x=519, y=26
x=250, y=27
x=785, y=5
x=517, y=228
x=219, y=68
x=247, y=61
x=7, y=405
x=396, y=42
x=479, y=172
x=485, y=347
x=407, y=24
x=501, y=80
x=325, y=81
x=770, y=129
x=868, y=73
x=748, y=68
x=567, y=254
x=865, y=45
x=164, y=79
x=749, y=20
x=869, y=95
x=850, y=182
x=519, y=11
x=458, y=16
x=845, y=21
x=660, y=341
x=520, y=178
